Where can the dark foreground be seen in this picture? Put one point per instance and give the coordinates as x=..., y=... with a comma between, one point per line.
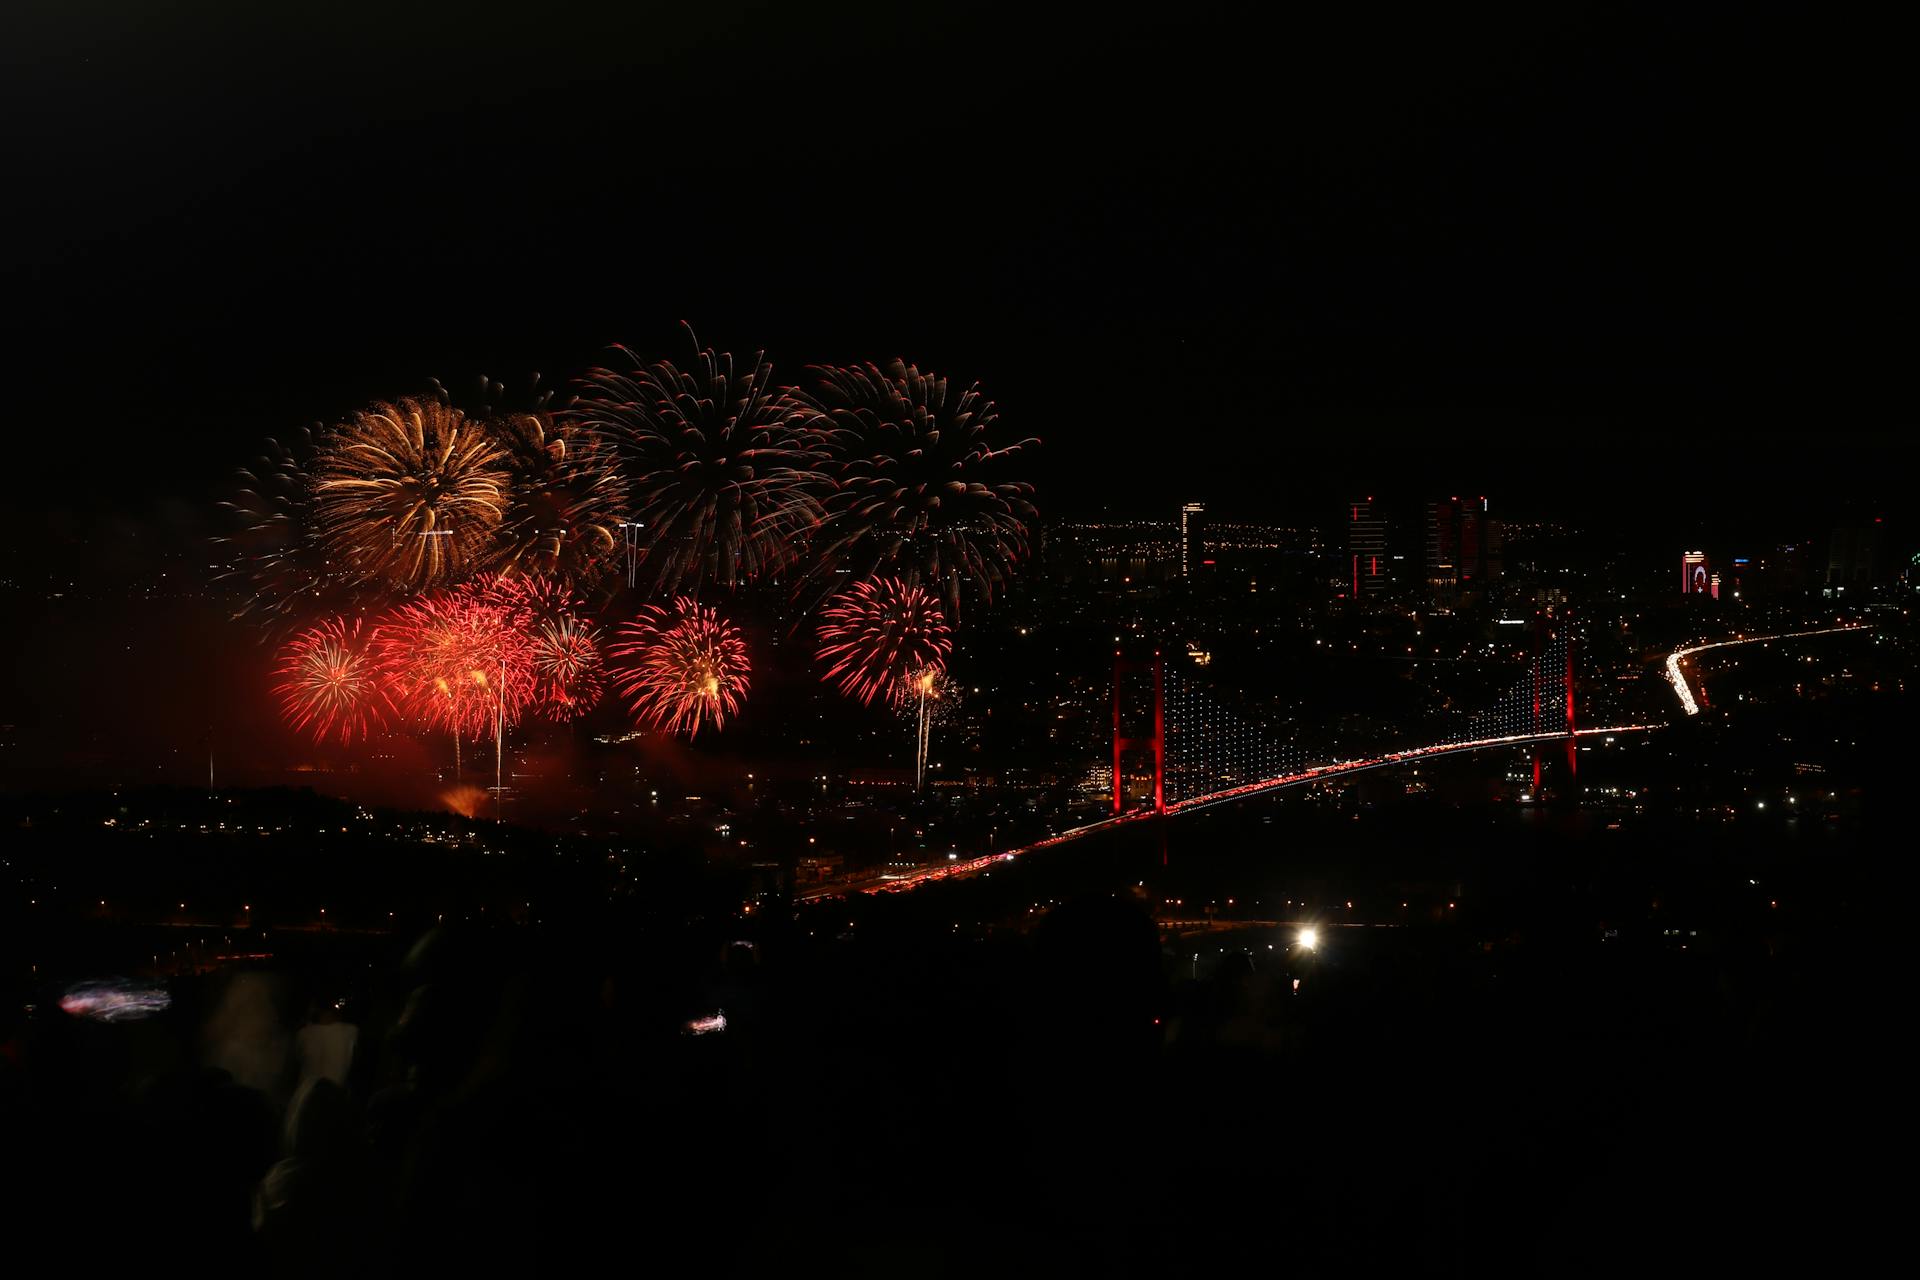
x=1081, y=1098
x=1646, y=1022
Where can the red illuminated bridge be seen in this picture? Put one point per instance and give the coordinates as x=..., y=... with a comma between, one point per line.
x=1197, y=753
x=1317, y=773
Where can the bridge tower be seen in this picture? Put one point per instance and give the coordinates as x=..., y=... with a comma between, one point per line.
x=1548, y=628
x=1157, y=743
x=1568, y=623
x=1573, y=748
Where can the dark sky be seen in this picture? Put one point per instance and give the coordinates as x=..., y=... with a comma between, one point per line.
x=1555, y=251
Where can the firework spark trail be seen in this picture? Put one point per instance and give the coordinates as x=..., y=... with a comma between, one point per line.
x=681, y=668
x=929, y=698
x=879, y=636
x=410, y=493
x=329, y=684
x=914, y=489
x=730, y=466
x=275, y=550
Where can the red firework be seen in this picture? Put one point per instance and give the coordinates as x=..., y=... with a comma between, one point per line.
x=564, y=649
x=534, y=595
x=681, y=668
x=457, y=661
x=882, y=635
x=568, y=665
x=329, y=684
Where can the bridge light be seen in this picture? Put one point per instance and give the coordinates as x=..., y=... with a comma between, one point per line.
x=1308, y=938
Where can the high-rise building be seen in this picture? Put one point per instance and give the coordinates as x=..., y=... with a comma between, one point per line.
x=1443, y=545
x=1463, y=548
x=1695, y=577
x=1366, y=549
x=1192, y=537
x=1853, y=556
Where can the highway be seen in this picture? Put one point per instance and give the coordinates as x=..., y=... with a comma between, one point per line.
x=1678, y=679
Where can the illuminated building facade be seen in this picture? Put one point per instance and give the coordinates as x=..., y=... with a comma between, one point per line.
x=1695, y=578
x=1366, y=549
x=1193, y=517
x=1463, y=548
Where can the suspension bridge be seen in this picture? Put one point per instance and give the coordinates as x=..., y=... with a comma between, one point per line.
x=1192, y=750
x=1205, y=753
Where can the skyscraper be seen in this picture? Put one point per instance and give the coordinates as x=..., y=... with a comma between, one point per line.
x=1853, y=556
x=1366, y=549
x=1463, y=548
x=1192, y=543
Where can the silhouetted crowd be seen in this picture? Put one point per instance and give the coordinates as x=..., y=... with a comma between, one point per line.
x=1083, y=1099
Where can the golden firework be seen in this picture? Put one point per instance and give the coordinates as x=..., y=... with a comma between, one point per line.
x=410, y=492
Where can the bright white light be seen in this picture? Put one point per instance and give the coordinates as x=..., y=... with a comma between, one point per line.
x=1308, y=939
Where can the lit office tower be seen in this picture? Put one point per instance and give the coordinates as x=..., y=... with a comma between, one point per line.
x=1695, y=577
x=1463, y=547
x=1192, y=528
x=1366, y=549
x=1443, y=549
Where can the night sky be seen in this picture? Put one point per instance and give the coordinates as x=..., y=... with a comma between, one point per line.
x=1563, y=253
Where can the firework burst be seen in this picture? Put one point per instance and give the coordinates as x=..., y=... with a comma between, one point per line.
x=916, y=493
x=566, y=500
x=565, y=650
x=329, y=683
x=569, y=668
x=729, y=464
x=681, y=667
x=456, y=661
x=410, y=493
x=880, y=635
x=942, y=703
